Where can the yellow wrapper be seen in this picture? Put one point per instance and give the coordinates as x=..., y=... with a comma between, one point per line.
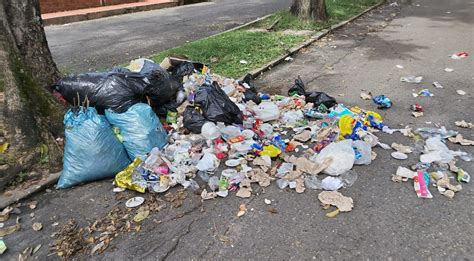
x=124, y=178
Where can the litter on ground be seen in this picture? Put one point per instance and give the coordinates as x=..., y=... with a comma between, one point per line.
x=177, y=124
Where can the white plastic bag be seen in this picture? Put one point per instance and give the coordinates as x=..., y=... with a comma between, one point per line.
x=342, y=155
x=292, y=117
x=267, y=111
x=436, y=151
x=208, y=162
x=365, y=150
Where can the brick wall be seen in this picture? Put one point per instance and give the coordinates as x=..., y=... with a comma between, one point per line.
x=51, y=6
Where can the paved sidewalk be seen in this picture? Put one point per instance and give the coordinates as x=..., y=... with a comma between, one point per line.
x=65, y=17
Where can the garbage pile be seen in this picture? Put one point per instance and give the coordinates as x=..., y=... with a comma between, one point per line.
x=219, y=136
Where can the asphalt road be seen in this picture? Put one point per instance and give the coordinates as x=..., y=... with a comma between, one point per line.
x=103, y=43
x=388, y=220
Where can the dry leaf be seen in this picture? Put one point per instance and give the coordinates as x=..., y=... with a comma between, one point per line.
x=459, y=139
x=366, y=95
x=37, y=247
x=242, y=210
x=300, y=185
x=141, y=215
x=304, y=136
x=37, y=226
x=264, y=160
x=8, y=230
x=208, y=195
x=334, y=198
x=273, y=210
x=5, y=214
x=401, y=148
x=464, y=124
x=333, y=213
x=373, y=155
x=33, y=204
x=417, y=114
x=245, y=192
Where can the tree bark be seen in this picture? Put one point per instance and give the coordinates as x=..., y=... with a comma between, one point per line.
x=309, y=9
x=31, y=117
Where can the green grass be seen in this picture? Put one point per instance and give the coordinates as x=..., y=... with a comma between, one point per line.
x=338, y=10
x=224, y=52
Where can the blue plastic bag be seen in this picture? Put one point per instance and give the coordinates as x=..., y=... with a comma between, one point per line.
x=92, y=151
x=140, y=129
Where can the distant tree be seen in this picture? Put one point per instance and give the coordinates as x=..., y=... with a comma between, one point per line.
x=309, y=9
x=30, y=117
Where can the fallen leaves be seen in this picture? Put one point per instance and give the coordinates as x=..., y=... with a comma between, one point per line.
x=334, y=198
x=459, y=139
x=417, y=114
x=208, y=195
x=5, y=214
x=69, y=240
x=177, y=199
x=401, y=148
x=333, y=213
x=37, y=226
x=464, y=124
x=242, y=210
x=142, y=214
x=366, y=95
x=9, y=230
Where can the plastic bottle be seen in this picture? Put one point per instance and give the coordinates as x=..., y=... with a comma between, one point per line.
x=213, y=183
x=312, y=182
x=267, y=130
x=281, y=183
x=193, y=185
x=348, y=178
x=203, y=175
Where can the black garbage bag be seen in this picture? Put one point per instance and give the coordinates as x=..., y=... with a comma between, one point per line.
x=250, y=94
x=163, y=109
x=298, y=88
x=216, y=105
x=182, y=69
x=162, y=88
x=117, y=91
x=317, y=98
x=193, y=119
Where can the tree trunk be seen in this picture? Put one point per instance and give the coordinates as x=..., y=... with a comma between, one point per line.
x=309, y=9
x=31, y=118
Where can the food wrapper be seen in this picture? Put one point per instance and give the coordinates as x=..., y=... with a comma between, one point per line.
x=124, y=178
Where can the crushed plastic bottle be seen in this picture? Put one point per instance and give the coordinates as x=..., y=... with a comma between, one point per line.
x=312, y=182
x=432, y=132
x=348, y=178
x=203, y=175
x=411, y=79
x=282, y=183
x=213, y=183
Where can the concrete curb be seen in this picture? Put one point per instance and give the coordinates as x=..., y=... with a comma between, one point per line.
x=19, y=194
x=257, y=72
x=107, y=13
